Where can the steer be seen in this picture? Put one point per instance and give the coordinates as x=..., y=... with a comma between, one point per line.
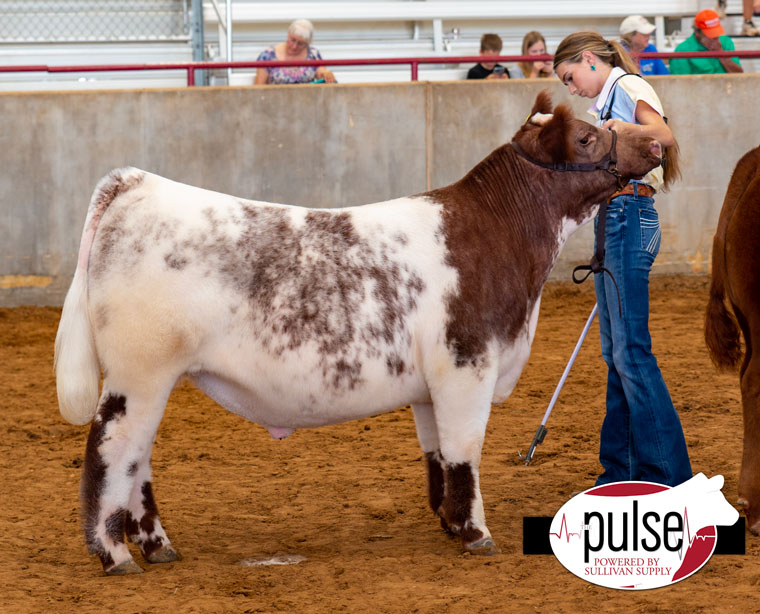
x=293, y=317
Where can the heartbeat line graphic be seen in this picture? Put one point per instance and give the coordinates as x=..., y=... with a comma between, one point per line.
x=563, y=529
x=686, y=533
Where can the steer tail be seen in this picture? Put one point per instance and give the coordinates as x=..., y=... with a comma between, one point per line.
x=77, y=372
x=722, y=334
x=77, y=369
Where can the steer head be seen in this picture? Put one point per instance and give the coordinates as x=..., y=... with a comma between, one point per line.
x=554, y=136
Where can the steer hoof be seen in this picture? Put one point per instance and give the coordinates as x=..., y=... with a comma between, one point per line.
x=484, y=546
x=165, y=554
x=122, y=569
x=452, y=530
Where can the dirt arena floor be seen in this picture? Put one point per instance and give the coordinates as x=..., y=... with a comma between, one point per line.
x=350, y=499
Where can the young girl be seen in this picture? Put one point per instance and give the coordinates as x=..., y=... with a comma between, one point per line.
x=641, y=437
x=533, y=44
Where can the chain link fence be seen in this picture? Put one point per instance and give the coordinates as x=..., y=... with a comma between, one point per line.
x=79, y=21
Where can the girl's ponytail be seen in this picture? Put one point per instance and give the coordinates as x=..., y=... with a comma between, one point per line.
x=621, y=58
x=671, y=167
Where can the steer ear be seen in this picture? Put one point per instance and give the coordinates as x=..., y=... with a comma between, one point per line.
x=543, y=104
x=553, y=136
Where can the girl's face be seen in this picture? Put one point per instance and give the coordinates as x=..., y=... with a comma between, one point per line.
x=581, y=78
x=538, y=48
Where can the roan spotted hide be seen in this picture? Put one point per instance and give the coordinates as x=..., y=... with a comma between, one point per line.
x=294, y=317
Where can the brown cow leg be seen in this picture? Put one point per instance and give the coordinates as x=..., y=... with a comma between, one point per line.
x=749, y=477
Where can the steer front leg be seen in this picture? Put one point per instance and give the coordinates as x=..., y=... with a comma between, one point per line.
x=461, y=430
x=427, y=434
x=749, y=476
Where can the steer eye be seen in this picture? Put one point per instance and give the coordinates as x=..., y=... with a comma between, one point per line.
x=584, y=140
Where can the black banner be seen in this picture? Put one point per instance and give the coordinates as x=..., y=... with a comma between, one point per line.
x=536, y=536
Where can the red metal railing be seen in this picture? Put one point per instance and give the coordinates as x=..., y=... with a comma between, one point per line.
x=414, y=63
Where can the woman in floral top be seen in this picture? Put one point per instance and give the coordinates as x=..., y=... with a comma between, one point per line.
x=296, y=47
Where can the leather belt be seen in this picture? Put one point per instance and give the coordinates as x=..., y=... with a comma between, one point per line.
x=642, y=188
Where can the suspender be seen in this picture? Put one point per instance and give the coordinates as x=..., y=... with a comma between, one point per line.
x=611, y=98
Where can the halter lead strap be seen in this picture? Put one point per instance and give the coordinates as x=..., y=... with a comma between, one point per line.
x=597, y=260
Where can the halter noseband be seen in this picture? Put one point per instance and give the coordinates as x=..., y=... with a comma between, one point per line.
x=607, y=163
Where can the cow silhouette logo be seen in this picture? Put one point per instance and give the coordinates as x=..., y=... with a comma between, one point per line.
x=640, y=535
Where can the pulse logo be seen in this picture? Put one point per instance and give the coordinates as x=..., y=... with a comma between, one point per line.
x=639, y=535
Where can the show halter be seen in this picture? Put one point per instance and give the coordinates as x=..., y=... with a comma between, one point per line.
x=607, y=163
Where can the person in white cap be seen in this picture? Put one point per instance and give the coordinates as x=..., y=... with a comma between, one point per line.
x=635, y=31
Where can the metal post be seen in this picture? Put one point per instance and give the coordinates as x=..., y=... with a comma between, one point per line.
x=659, y=33
x=198, y=42
x=437, y=36
x=229, y=39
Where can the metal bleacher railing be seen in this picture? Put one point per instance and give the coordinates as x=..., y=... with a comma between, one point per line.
x=414, y=63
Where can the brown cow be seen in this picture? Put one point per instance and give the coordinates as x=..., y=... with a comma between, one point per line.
x=297, y=318
x=736, y=282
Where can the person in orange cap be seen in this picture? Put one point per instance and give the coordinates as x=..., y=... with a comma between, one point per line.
x=708, y=35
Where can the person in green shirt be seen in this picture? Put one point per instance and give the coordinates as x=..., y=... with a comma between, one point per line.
x=708, y=35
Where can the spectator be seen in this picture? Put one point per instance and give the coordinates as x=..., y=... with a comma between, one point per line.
x=490, y=44
x=641, y=436
x=634, y=35
x=708, y=35
x=296, y=47
x=748, y=8
x=533, y=44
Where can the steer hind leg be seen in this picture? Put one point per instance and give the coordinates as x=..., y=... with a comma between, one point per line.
x=121, y=435
x=143, y=525
x=461, y=418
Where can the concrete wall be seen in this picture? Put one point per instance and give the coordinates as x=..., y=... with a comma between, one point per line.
x=326, y=146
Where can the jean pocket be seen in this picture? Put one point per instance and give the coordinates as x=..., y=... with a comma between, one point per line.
x=651, y=234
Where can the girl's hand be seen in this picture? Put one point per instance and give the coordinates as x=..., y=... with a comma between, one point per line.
x=650, y=124
x=616, y=124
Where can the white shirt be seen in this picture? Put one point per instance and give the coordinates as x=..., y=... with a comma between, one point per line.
x=623, y=97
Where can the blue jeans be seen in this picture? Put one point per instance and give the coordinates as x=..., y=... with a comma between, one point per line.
x=641, y=438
